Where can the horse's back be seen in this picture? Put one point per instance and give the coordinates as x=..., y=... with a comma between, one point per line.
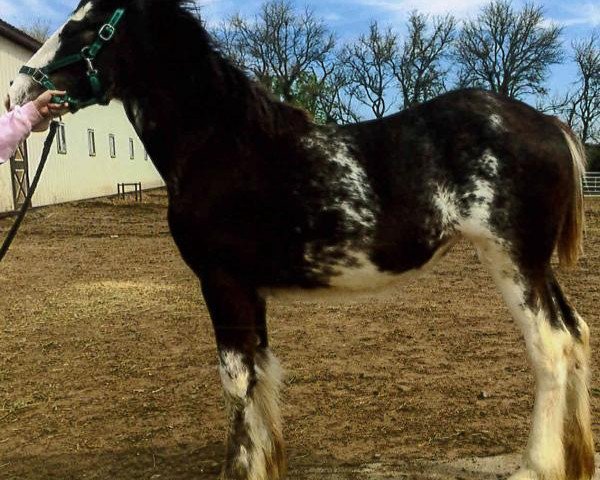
x=447, y=136
x=469, y=162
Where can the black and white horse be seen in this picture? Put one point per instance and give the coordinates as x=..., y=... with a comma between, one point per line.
x=261, y=199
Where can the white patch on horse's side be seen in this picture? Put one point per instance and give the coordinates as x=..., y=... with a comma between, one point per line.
x=19, y=92
x=490, y=162
x=497, y=122
x=355, y=181
x=349, y=194
x=447, y=205
x=476, y=223
x=235, y=375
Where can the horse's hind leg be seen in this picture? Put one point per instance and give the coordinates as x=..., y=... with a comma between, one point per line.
x=251, y=377
x=560, y=444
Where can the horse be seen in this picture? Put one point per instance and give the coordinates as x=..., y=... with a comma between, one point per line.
x=263, y=200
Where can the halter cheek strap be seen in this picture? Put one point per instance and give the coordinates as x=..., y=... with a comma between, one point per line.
x=87, y=55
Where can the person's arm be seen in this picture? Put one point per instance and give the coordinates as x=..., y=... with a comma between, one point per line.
x=15, y=126
x=20, y=121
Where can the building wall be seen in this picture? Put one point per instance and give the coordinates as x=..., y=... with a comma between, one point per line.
x=77, y=175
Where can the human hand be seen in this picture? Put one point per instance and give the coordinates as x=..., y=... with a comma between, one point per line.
x=49, y=110
x=46, y=108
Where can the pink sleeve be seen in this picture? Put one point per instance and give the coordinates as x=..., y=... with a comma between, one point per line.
x=15, y=126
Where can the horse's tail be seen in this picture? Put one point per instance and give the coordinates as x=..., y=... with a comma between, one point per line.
x=570, y=241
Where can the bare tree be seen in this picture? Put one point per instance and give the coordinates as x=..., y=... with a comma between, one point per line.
x=557, y=104
x=279, y=47
x=507, y=51
x=369, y=65
x=38, y=28
x=580, y=106
x=419, y=68
x=586, y=103
x=230, y=45
x=335, y=99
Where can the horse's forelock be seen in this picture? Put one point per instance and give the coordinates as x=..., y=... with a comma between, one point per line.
x=81, y=11
x=80, y=4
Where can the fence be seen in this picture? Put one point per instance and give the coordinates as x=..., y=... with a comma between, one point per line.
x=591, y=184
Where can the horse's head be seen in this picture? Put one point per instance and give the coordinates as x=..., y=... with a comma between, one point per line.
x=80, y=57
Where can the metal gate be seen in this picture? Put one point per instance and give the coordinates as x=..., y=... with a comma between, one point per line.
x=591, y=184
x=19, y=166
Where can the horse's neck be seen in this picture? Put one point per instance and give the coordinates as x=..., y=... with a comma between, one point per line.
x=181, y=112
x=163, y=103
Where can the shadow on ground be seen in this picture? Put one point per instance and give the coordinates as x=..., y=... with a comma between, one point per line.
x=189, y=463
x=185, y=463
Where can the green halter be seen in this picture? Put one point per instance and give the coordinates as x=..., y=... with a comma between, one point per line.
x=87, y=55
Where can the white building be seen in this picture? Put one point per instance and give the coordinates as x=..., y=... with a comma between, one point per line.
x=93, y=151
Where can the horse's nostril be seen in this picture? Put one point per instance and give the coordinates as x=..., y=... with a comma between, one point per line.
x=7, y=102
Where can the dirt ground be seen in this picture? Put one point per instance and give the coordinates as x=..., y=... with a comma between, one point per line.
x=108, y=363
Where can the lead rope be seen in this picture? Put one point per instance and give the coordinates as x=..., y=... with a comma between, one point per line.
x=27, y=203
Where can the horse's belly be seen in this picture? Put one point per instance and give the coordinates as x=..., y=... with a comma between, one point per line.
x=347, y=284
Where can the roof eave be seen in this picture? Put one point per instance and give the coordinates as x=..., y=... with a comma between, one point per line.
x=18, y=36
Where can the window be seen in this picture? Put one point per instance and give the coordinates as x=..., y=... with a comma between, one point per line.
x=131, y=149
x=61, y=136
x=112, y=146
x=91, y=142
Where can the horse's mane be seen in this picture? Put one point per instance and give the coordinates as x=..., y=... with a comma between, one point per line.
x=200, y=63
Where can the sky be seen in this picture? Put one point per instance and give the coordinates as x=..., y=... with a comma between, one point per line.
x=349, y=18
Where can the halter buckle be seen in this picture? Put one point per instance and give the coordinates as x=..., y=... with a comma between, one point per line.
x=90, y=65
x=106, y=32
x=38, y=76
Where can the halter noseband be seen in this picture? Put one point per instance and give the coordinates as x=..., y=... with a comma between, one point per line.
x=87, y=55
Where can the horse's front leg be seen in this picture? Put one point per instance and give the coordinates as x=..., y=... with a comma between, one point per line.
x=251, y=379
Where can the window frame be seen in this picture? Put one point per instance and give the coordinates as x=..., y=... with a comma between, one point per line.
x=112, y=145
x=61, y=139
x=91, y=142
